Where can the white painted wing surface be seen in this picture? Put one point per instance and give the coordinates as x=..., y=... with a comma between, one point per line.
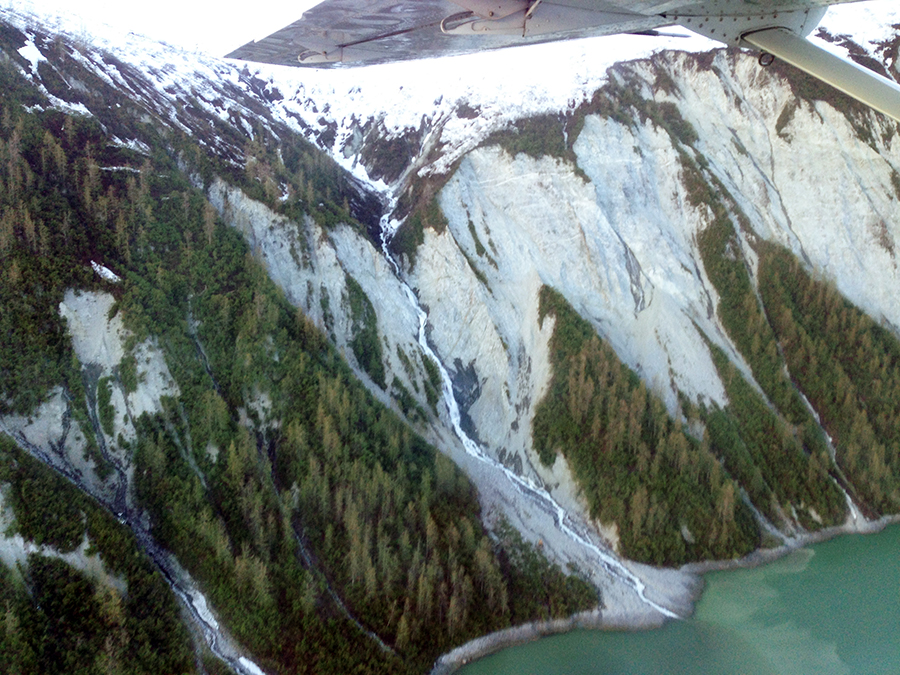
x=363, y=32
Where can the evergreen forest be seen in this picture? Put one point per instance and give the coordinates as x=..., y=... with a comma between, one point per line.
x=328, y=536
x=325, y=532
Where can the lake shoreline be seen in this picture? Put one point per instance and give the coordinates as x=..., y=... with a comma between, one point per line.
x=597, y=619
x=638, y=616
x=763, y=556
x=623, y=610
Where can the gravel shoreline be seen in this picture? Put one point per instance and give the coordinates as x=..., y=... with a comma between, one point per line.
x=766, y=555
x=678, y=589
x=623, y=610
x=494, y=642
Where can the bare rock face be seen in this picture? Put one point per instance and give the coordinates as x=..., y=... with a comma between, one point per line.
x=617, y=233
x=613, y=226
x=68, y=434
x=609, y=215
x=61, y=441
x=99, y=341
x=312, y=266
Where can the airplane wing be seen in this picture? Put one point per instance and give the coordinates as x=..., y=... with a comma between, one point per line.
x=361, y=32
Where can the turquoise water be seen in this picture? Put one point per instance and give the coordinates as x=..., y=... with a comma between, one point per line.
x=831, y=609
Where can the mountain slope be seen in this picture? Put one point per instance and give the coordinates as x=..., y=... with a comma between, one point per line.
x=301, y=524
x=628, y=320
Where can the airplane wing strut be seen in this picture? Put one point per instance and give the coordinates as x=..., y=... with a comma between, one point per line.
x=349, y=32
x=854, y=80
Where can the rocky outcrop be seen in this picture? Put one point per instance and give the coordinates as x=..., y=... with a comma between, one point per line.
x=613, y=226
x=611, y=221
x=617, y=233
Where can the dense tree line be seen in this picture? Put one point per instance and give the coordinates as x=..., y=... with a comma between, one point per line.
x=338, y=494
x=775, y=449
x=849, y=368
x=666, y=492
x=326, y=534
x=739, y=307
x=59, y=620
x=365, y=342
x=307, y=511
x=784, y=479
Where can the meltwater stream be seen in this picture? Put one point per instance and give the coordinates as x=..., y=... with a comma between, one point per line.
x=217, y=640
x=524, y=486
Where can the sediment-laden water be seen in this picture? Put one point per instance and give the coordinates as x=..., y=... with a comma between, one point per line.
x=830, y=609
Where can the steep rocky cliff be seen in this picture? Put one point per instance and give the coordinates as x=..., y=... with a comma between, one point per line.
x=616, y=230
x=652, y=320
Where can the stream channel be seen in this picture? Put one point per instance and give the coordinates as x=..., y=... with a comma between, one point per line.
x=193, y=602
x=830, y=609
x=527, y=489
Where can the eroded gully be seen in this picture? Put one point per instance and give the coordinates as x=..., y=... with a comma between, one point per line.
x=526, y=488
x=216, y=639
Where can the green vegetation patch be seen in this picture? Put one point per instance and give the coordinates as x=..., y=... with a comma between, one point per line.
x=327, y=316
x=67, y=622
x=411, y=233
x=365, y=341
x=105, y=409
x=739, y=308
x=41, y=502
x=433, y=384
x=330, y=516
x=849, y=368
x=666, y=492
x=778, y=456
x=621, y=101
x=407, y=367
x=408, y=404
x=479, y=247
x=766, y=455
x=537, y=587
x=536, y=137
x=128, y=373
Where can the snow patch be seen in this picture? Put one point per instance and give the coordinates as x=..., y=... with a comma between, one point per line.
x=867, y=23
x=32, y=54
x=104, y=272
x=137, y=146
